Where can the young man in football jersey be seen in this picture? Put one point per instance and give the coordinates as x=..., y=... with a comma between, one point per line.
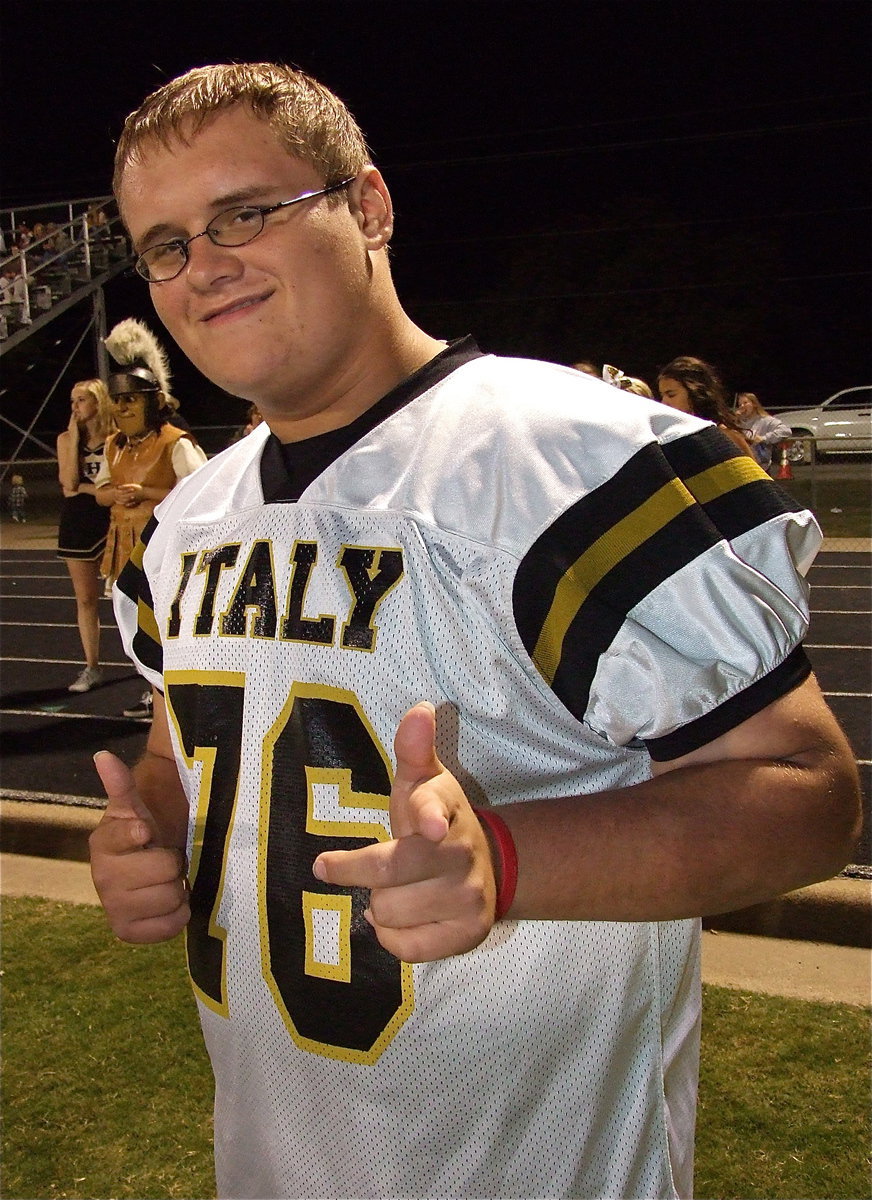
x=476, y=685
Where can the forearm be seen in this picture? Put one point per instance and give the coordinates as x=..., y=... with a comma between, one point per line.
x=768, y=806
x=129, y=495
x=160, y=789
x=68, y=463
x=703, y=839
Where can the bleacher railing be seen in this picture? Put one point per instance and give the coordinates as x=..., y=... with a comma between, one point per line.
x=50, y=250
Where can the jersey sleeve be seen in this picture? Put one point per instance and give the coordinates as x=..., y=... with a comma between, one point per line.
x=134, y=612
x=668, y=605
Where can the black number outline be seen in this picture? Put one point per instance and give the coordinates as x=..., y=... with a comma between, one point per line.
x=216, y=812
x=212, y=816
x=324, y=895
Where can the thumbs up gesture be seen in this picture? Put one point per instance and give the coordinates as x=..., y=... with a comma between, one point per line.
x=432, y=885
x=141, y=884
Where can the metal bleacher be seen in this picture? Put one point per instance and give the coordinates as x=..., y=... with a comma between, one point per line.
x=53, y=257
x=75, y=248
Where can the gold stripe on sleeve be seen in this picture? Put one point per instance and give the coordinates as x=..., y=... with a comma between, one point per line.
x=724, y=477
x=606, y=552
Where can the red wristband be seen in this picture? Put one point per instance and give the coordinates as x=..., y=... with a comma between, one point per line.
x=505, y=844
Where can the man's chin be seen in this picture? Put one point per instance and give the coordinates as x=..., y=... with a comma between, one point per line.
x=228, y=378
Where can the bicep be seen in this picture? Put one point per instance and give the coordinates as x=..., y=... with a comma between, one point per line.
x=797, y=728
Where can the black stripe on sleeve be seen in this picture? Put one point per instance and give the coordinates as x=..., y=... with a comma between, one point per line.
x=734, y=510
x=133, y=583
x=793, y=671
x=664, y=508
x=600, y=618
x=576, y=530
x=696, y=452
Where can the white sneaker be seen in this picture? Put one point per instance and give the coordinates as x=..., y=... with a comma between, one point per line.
x=88, y=678
x=142, y=711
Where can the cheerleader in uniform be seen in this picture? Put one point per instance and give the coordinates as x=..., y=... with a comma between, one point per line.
x=83, y=522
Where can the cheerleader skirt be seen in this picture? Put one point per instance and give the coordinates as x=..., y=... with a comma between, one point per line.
x=82, y=528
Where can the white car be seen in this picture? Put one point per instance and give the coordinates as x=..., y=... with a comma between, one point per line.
x=841, y=425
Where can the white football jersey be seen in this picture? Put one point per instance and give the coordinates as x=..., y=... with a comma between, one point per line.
x=578, y=580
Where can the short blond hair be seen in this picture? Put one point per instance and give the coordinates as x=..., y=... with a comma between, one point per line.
x=311, y=122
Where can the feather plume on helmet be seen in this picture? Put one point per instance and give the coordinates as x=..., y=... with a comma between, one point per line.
x=144, y=365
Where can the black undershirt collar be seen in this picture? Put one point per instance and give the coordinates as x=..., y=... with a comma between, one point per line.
x=287, y=469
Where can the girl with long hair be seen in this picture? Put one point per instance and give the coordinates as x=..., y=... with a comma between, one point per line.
x=83, y=522
x=693, y=386
x=761, y=429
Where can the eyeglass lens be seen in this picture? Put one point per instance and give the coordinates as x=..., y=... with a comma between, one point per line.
x=235, y=227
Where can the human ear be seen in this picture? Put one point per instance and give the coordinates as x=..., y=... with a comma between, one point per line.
x=372, y=208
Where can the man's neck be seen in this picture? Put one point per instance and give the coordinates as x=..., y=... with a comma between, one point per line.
x=359, y=386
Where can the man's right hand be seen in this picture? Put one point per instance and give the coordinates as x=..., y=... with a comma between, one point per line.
x=141, y=885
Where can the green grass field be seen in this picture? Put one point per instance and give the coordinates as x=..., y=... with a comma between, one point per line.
x=107, y=1091
x=842, y=506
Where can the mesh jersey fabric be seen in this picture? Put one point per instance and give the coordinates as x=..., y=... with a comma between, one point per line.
x=559, y=1058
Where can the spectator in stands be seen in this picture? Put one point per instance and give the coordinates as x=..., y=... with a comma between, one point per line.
x=693, y=386
x=40, y=249
x=61, y=240
x=587, y=367
x=13, y=293
x=83, y=522
x=147, y=456
x=762, y=431
x=98, y=226
x=12, y=283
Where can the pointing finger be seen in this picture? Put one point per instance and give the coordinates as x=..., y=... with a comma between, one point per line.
x=380, y=865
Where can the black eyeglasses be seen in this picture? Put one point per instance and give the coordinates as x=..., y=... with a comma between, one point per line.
x=234, y=227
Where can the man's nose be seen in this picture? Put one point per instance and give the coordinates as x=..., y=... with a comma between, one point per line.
x=208, y=262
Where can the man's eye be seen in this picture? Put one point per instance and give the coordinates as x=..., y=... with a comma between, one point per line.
x=244, y=216
x=163, y=253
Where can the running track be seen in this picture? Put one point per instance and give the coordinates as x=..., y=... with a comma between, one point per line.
x=48, y=735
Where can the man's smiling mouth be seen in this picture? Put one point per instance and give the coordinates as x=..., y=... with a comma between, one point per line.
x=237, y=306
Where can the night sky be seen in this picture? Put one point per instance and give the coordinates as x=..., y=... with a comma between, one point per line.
x=625, y=181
